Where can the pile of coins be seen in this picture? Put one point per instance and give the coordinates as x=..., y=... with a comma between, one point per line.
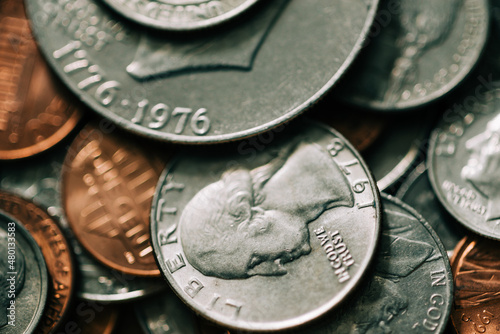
x=242, y=166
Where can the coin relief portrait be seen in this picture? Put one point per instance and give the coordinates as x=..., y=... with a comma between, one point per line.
x=252, y=222
x=6, y=282
x=483, y=166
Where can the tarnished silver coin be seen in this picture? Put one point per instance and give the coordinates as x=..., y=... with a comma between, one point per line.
x=23, y=278
x=411, y=287
x=166, y=314
x=418, y=51
x=39, y=182
x=417, y=192
x=180, y=15
x=267, y=239
x=397, y=150
x=464, y=162
x=216, y=86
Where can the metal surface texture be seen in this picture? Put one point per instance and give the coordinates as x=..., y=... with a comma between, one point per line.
x=221, y=85
x=24, y=279
x=39, y=181
x=107, y=187
x=477, y=279
x=417, y=192
x=418, y=52
x=56, y=252
x=240, y=236
x=410, y=289
x=464, y=163
x=36, y=111
x=180, y=15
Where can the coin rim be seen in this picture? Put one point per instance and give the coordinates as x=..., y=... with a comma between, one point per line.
x=440, y=93
x=193, y=139
x=304, y=318
x=476, y=228
x=196, y=25
x=42, y=266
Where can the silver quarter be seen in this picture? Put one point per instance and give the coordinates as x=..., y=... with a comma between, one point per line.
x=411, y=288
x=267, y=239
x=23, y=278
x=180, y=15
x=166, y=314
x=418, y=51
x=417, y=192
x=464, y=162
x=217, y=86
x=39, y=182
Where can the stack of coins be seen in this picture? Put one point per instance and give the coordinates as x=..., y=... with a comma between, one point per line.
x=244, y=166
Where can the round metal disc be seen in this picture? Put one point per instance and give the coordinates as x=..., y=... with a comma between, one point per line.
x=268, y=239
x=24, y=278
x=464, y=163
x=180, y=15
x=215, y=86
x=418, y=51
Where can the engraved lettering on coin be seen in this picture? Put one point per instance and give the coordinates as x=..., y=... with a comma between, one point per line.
x=11, y=279
x=464, y=160
x=252, y=222
x=181, y=15
x=181, y=87
x=410, y=258
x=239, y=234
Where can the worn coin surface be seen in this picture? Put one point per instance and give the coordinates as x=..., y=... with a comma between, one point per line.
x=180, y=15
x=418, y=193
x=107, y=186
x=477, y=280
x=411, y=287
x=165, y=313
x=269, y=239
x=224, y=84
x=39, y=181
x=36, y=111
x=56, y=252
x=418, y=51
x=464, y=162
x=24, y=280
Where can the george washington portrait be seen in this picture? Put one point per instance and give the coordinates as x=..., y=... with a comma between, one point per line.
x=255, y=221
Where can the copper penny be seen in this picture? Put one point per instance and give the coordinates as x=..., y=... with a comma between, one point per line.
x=55, y=250
x=35, y=113
x=108, y=184
x=476, y=271
x=90, y=317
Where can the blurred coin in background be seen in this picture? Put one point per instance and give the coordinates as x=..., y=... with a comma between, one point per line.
x=56, y=252
x=464, y=162
x=24, y=279
x=36, y=111
x=417, y=52
x=107, y=186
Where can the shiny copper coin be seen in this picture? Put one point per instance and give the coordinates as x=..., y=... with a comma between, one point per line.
x=476, y=271
x=361, y=129
x=55, y=250
x=91, y=318
x=107, y=188
x=34, y=111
